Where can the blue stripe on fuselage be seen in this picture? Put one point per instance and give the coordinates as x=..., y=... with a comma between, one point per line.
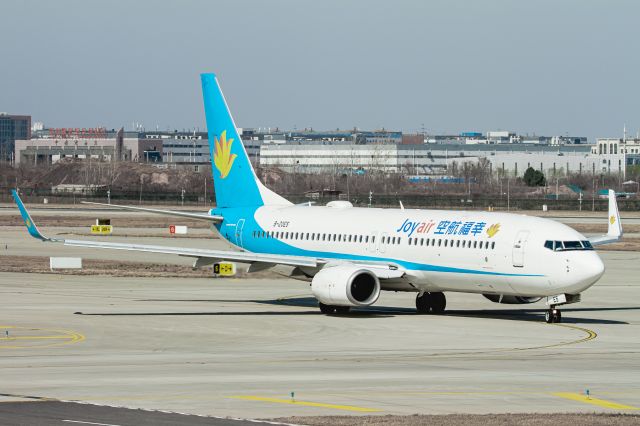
x=271, y=245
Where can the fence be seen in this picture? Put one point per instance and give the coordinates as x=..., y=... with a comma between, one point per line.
x=453, y=202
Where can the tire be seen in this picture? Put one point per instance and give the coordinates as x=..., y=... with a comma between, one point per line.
x=558, y=317
x=423, y=303
x=327, y=309
x=548, y=317
x=438, y=303
x=342, y=310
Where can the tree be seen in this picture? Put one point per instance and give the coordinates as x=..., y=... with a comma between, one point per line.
x=534, y=177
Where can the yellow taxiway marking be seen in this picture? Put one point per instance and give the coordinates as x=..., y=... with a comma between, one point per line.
x=306, y=403
x=58, y=337
x=594, y=401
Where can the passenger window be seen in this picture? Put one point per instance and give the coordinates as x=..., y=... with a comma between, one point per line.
x=493, y=245
x=439, y=242
x=458, y=243
x=475, y=244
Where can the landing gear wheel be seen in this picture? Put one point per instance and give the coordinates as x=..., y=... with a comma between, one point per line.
x=327, y=309
x=438, y=303
x=332, y=310
x=431, y=303
x=553, y=315
x=422, y=303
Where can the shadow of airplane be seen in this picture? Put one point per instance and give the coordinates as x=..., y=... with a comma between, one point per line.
x=522, y=314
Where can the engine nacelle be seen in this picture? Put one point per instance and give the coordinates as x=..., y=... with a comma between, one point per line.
x=511, y=300
x=346, y=285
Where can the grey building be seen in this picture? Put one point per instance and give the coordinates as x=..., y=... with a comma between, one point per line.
x=12, y=128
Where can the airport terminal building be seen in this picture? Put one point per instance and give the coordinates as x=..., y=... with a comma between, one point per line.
x=439, y=158
x=51, y=145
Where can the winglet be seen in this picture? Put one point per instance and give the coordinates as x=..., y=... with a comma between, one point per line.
x=26, y=217
x=615, y=226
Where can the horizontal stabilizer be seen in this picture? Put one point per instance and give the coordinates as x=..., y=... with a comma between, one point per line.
x=196, y=216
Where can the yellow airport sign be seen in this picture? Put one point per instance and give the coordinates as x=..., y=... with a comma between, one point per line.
x=224, y=269
x=101, y=229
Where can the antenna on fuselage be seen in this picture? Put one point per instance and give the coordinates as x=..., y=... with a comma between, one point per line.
x=401, y=205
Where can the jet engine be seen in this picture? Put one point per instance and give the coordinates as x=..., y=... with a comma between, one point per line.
x=346, y=285
x=511, y=300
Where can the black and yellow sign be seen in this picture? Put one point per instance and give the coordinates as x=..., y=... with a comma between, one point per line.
x=225, y=269
x=101, y=229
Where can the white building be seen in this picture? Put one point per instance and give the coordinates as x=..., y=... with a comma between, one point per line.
x=437, y=159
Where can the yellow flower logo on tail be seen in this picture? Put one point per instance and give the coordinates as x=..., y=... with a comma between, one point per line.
x=612, y=220
x=493, y=229
x=222, y=157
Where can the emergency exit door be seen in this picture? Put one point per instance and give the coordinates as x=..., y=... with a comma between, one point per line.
x=519, y=245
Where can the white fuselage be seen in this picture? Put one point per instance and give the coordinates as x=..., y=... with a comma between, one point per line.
x=464, y=251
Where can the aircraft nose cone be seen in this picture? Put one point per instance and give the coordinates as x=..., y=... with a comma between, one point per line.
x=591, y=269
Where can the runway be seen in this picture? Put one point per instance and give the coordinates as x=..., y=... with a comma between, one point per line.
x=259, y=348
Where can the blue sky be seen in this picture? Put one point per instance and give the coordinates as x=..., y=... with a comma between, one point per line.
x=550, y=67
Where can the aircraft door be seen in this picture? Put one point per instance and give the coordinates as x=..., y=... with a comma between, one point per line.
x=519, y=245
x=238, y=233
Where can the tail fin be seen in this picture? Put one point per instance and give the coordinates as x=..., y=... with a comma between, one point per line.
x=615, y=226
x=234, y=179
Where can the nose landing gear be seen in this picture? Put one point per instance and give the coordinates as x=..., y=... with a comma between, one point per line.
x=553, y=315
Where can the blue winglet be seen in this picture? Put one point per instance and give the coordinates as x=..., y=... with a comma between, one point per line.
x=31, y=227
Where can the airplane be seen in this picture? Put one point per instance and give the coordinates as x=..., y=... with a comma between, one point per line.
x=350, y=254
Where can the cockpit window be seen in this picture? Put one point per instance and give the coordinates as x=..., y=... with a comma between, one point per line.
x=568, y=245
x=572, y=245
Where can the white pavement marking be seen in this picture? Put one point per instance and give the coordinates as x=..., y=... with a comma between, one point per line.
x=89, y=423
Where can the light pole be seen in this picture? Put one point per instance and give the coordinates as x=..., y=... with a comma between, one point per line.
x=182, y=196
x=508, y=195
x=108, y=196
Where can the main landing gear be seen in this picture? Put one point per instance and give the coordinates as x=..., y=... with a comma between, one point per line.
x=552, y=315
x=333, y=310
x=431, y=303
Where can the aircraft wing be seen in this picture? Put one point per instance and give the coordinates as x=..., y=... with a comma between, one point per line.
x=614, y=232
x=197, y=216
x=203, y=256
x=242, y=257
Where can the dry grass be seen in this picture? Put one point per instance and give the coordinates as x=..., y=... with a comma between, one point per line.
x=40, y=265
x=122, y=222
x=470, y=419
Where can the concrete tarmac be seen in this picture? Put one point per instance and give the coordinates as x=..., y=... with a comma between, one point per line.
x=259, y=348
x=58, y=413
